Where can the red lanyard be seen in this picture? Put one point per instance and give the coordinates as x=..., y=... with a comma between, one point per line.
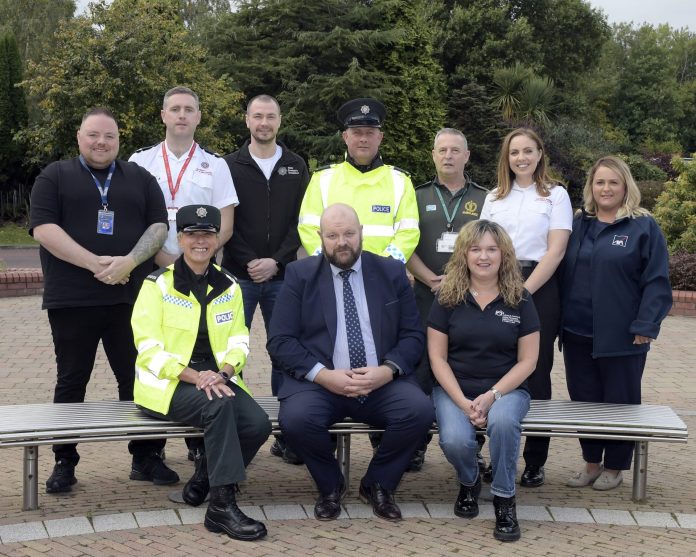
x=173, y=189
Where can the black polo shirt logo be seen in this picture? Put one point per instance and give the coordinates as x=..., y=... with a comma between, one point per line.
x=621, y=241
x=507, y=318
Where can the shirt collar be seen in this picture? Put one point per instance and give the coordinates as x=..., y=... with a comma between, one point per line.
x=357, y=266
x=171, y=155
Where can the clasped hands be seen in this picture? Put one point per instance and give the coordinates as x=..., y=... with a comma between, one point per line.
x=477, y=409
x=114, y=269
x=212, y=383
x=354, y=382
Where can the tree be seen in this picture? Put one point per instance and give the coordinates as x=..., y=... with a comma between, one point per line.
x=124, y=56
x=675, y=210
x=33, y=23
x=315, y=55
x=13, y=111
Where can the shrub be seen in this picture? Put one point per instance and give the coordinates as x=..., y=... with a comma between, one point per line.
x=642, y=170
x=675, y=210
x=682, y=271
x=650, y=190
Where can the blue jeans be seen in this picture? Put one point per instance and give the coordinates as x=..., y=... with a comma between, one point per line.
x=263, y=294
x=458, y=438
x=259, y=293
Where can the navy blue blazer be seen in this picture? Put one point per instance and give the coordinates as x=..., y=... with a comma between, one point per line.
x=303, y=326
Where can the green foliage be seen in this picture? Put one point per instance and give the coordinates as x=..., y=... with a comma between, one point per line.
x=315, y=55
x=124, y=56
x=650, y=190
x=13, y=111
x=12, y=234
x=642, y=169
x=675, y=210
x=682, y=271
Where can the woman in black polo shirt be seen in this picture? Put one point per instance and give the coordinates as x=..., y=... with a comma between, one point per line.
x=483, y=343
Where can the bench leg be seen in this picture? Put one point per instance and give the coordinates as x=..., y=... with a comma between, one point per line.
x=640, y=471
x=343, y=456
x=31, y=479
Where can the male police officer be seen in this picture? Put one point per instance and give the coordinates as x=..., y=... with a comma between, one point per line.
x=382, y=195
x=99, y=222
x=271, y=181
x=445, y=204
x=187, y=174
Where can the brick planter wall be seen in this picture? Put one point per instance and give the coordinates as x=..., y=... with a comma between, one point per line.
x=684, y=303
x=21, y=282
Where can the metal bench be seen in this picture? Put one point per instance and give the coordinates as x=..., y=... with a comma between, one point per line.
x=32, y=425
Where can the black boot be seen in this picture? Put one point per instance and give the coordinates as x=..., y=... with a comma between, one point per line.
x=196, y=489
x=506, y=527
x=466, y=505
x=224, y=515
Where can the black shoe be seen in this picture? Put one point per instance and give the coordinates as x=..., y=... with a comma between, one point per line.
x=281, y=449
x=196, y=489
x=63, y=477
x=328, y=507
x=150, y=468
x=506, y=527
x=466, y=505
x=382, y=501
x=487, y=474
x=223, y=515
x=375, y=441
x=417, y=461
x=191, y=455
x=533, y=476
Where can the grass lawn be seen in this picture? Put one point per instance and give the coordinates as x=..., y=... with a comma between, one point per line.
x=12, y=234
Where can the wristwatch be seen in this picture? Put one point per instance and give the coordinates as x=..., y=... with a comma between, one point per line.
x=396, y=372
x=496, y=393
x=224, y=375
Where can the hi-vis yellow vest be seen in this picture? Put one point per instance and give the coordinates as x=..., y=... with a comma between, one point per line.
x=384, y=199
x=165, y=326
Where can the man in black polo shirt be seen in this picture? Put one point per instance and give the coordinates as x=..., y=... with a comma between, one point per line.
x=99, y=222
x=445, y=204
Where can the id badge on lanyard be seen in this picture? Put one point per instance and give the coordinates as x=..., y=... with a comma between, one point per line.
x=105, y=218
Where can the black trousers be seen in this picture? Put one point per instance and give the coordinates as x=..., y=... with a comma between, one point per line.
x=616, y=380
x=234, y=428
x=76, y=334
x=548, y=305
x=399, y=407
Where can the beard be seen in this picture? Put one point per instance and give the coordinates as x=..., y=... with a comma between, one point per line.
x=343, y=258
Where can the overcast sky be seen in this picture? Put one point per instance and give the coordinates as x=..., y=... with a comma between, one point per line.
x=677, y=13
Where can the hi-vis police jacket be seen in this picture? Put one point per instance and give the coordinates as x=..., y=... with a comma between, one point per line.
x=165, y=323
x=383, y=198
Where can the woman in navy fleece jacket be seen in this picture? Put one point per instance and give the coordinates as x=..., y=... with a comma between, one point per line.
x=616, y=292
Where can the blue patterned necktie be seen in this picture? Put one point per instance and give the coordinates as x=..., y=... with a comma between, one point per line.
x=356, y=345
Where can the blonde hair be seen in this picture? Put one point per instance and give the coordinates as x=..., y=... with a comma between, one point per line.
x=457, y=279
x=543, y=180
x=631, y=203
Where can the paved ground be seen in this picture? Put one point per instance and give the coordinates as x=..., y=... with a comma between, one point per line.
x=107, y=514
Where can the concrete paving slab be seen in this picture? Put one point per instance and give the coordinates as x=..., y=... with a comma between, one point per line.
x=440, y=510
x=612, y=516
x=284, y=512
x=166, y=517
x=644, y=518
x=686, y=520
x=413, y=510
x=23, y=532
x=571, y=514
x=486, y=512
x=532, y=512
x=111, y=522
x=358, y=510
x=191, y=515
x=252, y=511
x=73, y=526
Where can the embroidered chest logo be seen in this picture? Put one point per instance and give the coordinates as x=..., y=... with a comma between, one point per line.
x=621, y=241
x=381, y=209
x=223, y=317
x=470, y=208
x=282, y=171
x=507, y=318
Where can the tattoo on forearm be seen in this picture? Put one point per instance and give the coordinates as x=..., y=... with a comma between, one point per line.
x=150, y=242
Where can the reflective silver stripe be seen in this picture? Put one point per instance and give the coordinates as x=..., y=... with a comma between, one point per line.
x=399, y=185
x=312, y=220
x=159, y=359
x=149, y=379
x=324, y=185
x=382, y=230
x=147, y=344
x=406, y=224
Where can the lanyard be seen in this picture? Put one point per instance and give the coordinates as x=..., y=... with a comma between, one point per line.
x=103, y=190
x=450, y=218
x=173, y=189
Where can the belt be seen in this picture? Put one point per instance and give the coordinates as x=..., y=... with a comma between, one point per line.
x=526, y=264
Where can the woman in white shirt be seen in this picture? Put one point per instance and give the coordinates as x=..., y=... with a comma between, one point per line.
x=536, y=212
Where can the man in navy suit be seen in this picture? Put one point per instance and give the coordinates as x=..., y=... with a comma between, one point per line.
x=347, y=335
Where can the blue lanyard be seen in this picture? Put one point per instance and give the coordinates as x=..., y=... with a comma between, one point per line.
x=103, y=190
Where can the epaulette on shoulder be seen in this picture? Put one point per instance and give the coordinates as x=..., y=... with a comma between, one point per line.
x=153, y=276
x=479, y=187
x=143, y=149
x=402, y=171
x=325, y=167
x=424, y=185
x=218, y=155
